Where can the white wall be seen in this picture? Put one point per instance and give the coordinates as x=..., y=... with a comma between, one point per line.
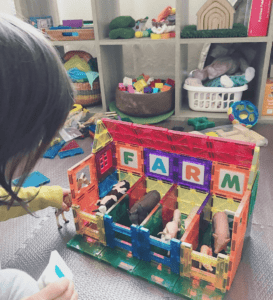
x=7, y=7
x=74, y=9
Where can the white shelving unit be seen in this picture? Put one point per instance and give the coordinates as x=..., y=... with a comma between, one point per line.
x=110, y=54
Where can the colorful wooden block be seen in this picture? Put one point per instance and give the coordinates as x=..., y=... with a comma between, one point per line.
x=146, y=77
x=155, y=90
x=170, y=82
x=165, y=88
x=159, y=85
x=140, y=85
x=127, y=81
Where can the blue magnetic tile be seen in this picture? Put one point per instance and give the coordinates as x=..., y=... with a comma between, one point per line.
x=34, y=179
x=53, y=151
x=71, y=152
x=107, y=184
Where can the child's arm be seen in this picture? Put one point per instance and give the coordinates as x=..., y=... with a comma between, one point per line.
x=47, y=196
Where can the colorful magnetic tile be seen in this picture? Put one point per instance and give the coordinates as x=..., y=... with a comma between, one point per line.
x=72, y=145
x=129, y=157
x=105, y=161
x=158, y=164
x=122, y=131
x=106, y=185
x=193, y=172
x=229, y=180
x=153, y=137
x=155, y=90
x=34, y=179
x=102, y=137
x=53, y=151
x=231, y=152
x=71, y=152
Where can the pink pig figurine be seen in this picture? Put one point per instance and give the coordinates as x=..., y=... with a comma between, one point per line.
x=221, y=231
x=171, y=228
x=208, y=251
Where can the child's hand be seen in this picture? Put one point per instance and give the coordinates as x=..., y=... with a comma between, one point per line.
x=66, y=193
x=62, y=289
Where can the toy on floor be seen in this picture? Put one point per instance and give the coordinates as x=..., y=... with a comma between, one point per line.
x=56, y=269
x=140, y=210
x=95, y=117
x=34, y=179
x=122, y=27
x=201, y=123
x=243, y=112
x=237, y=132
x=171, y=229
x=53, y=150
x=113, y=196
x=208, y=251
x=220, y=232
x=68, y=201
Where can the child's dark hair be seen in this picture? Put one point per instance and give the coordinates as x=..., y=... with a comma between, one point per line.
x=35, y=98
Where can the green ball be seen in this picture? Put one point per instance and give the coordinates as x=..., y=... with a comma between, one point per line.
x=122, y=22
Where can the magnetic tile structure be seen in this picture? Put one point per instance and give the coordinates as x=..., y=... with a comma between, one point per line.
x=35, y=178
x=198, y=175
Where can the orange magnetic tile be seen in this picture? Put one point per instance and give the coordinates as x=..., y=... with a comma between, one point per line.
x=232, y=176
x=191, y=235
x=131, y=163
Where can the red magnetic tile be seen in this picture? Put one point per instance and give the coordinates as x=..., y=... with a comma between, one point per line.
x=72, y=145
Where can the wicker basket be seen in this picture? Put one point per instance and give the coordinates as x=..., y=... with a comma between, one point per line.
x=63, y=34
x=85, y=96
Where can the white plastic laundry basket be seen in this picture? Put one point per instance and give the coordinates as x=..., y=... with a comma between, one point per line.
x=213, y=99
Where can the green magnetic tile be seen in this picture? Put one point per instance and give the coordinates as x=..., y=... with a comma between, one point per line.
x=150, y=272
x=118, y=258
x=79, y=244
x=184, y=287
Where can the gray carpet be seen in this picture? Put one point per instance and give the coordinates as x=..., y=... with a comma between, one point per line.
x=26, y=242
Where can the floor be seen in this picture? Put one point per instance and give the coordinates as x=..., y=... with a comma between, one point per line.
x=26, y=242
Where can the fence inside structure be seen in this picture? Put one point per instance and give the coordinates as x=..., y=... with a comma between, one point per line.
x=89, y=225
x=221, y=263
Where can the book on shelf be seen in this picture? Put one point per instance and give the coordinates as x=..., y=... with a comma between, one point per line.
x=259, y=14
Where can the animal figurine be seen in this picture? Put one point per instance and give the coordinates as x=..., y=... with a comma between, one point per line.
x=113, y=196
x=172, y=227
x=140, y=210
x=220, y=231
x=68, y=200
x=208, y=251
x=190, y=216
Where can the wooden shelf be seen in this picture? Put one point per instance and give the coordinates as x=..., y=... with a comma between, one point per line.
x=110, y=53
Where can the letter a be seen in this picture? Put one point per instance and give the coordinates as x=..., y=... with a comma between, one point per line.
x=158, y=164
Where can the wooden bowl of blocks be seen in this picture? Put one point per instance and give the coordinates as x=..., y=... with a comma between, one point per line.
x=145, y=103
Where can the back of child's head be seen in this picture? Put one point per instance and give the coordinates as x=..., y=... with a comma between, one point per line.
x=35, y=97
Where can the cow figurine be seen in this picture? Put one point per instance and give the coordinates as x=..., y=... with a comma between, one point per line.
x=220, y=231
x=172, y=227
x=82, y=180
x=113, y=196
x=140, y=210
